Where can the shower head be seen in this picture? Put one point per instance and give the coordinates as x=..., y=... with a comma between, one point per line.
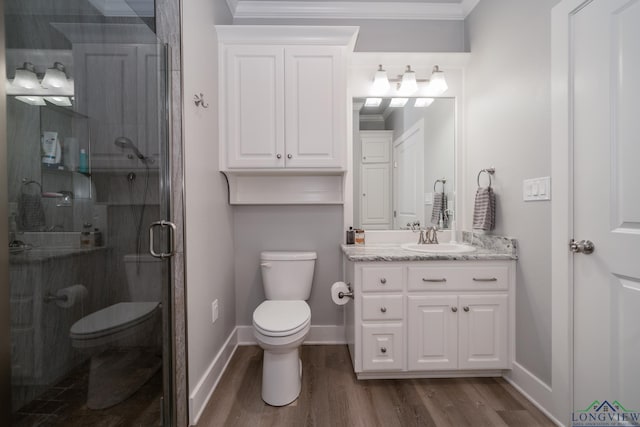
x=124, y=142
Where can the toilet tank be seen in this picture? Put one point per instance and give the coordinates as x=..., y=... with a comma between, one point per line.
x=287, y=275
x=144, y=277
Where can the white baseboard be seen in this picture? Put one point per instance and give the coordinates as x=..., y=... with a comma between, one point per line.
x=204, y=389
x=318, y=335
x=533, y=388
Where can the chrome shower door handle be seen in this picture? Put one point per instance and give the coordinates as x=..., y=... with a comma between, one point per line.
x=172, y=239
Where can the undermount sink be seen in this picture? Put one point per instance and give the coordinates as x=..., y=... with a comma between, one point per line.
x=449, y=248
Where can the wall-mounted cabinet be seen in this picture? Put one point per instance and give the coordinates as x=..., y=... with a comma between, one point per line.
x=283, y=107
x=117, y=87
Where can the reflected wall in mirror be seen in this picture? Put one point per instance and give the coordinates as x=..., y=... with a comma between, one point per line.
x=404, y=162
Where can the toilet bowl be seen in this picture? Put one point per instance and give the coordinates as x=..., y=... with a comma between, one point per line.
x=282, y=322
x=123, y=339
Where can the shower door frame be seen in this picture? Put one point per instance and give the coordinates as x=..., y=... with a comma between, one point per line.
x=5, y=321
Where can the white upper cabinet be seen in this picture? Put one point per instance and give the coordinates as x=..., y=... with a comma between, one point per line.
x=283, y=97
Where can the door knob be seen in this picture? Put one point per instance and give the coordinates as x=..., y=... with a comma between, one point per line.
x=278, y=156
x=383, y=309
x=583, y=246
x=454, y=309
x=289, y=156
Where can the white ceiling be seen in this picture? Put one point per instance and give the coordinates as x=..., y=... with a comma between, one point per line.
x=352, y=9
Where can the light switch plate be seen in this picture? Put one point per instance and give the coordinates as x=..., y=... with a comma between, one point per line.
x=536, y=189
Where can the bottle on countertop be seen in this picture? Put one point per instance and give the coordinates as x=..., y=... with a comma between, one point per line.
x=359, y=237
x=351, y=236
x=86, y=238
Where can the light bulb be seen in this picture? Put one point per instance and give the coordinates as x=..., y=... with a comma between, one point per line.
x=55, y=77
x=409, y=84
x=437, y=84
x=380, y=81
x=25, y=77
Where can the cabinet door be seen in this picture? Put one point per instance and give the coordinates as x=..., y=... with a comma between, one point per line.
x=382, y=347
x=106, y=92
x=375, y=199
x=253, y=103
x=433, y=333
x=315, y=99
x=483, y=332
x=376, y=146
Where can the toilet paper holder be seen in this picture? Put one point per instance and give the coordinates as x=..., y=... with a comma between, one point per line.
x=346, y=294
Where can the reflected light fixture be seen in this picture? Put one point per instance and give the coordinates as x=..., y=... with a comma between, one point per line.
x=25, y=77
x=423, y=102
x=62, y=101
x=380, y=81
x=398, y=102
x=372, y=102
x=55, y=77
x=32, y=100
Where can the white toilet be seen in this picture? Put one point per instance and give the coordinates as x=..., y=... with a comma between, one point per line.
x=281, y=323
x=123, y=339
x=125, y=322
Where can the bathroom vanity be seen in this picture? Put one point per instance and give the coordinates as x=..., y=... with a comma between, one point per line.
x=431, y=314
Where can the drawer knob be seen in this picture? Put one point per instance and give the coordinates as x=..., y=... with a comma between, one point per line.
x=383, y=349
x=383, y=309
x=383, y=280
x=466, y=309
x=454, y=309
x=289, y=156
x=278, y=156
x=487, y=279
x=424, y=279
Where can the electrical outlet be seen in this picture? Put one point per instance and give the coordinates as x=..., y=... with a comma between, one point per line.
x=214, y=311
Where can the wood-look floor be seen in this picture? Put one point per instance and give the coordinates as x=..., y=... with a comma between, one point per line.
x=332, y=396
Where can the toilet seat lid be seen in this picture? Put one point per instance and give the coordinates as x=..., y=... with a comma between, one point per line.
x=113, y=318
x=280, y=318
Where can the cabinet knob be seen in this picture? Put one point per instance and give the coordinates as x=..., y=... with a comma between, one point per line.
x=383, y=349
x=466, y=309
x=278, y=156
x=384, y=309
x=289, y=156
x=454, y=309
x=383, y=280
x=364, y=158
x=364, y=194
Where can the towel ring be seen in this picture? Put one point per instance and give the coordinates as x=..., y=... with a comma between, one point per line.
x=27, y=181
x=489, y=172
x=443, y=181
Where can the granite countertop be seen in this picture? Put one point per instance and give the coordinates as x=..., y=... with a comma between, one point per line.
x=488, y=247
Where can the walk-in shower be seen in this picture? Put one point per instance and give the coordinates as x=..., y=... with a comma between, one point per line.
x=87, y=175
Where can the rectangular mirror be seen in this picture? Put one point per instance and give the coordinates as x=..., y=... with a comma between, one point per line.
x=404, y=162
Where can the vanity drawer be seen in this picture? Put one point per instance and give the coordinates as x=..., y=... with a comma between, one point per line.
x=382, y=347
x=493, y=277
x=382, y=307
x=381, y=279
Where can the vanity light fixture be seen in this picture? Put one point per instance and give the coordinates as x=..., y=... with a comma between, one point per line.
x=55, y=77
x=398, y=102
x=423, y=102
x=407, y=83
x=372, y=102
x=380, y=81
x=26, y=77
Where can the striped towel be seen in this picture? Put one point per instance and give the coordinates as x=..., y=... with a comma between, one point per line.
x=484, y=209
x=439, y=207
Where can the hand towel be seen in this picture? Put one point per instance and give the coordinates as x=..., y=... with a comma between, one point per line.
x=438, y=205
x=484, y=210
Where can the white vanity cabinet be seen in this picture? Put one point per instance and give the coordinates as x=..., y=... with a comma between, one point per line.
x=283, y=97
x=431, y=318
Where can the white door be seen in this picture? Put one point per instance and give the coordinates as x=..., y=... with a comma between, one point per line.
x=606, y=186
x=408, y=176
x=375, y=199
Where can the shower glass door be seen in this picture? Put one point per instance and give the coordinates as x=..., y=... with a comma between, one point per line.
x=88, y=173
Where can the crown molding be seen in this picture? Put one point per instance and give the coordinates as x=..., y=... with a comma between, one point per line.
x=291, y=9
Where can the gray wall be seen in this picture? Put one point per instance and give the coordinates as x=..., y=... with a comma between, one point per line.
x=308, y=228
x=508, y=126
x=208, y=217
x=390, y=35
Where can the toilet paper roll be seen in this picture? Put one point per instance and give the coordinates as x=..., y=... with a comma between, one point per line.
x=336, y=288
x=67, y=297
